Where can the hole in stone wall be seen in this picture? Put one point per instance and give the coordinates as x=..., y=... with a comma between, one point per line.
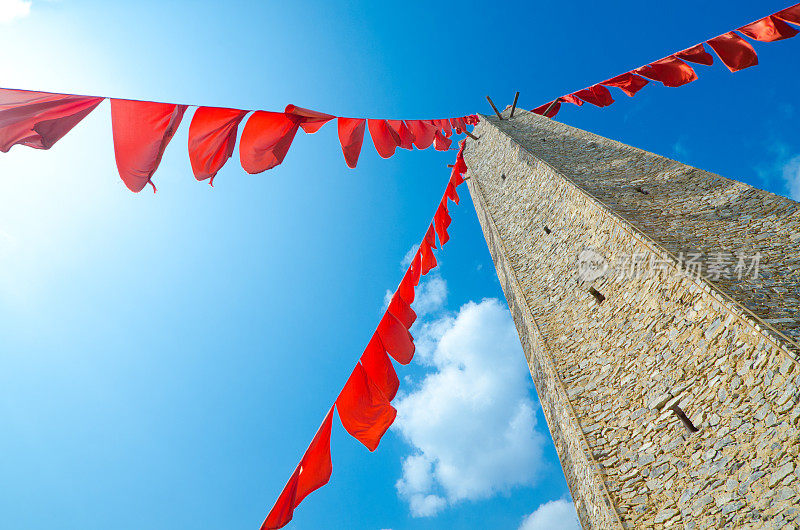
x=597, y=295
x=503, y=176
x=547, y=230
x=684, y=418
x=642, y=190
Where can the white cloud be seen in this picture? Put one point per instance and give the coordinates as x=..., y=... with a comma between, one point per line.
x=553, y=515
x=409, y=257
x=13, y=9
x=429, y=296
x=471, y=421
x=791, y=176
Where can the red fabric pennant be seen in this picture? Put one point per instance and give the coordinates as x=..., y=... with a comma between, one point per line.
x=402, y=131
x=670, y=71
x=313, y=472
x=142, y=130
x=597, y=95
x=447, y=129
x=283, y=510
x=571, y=99
x=440, y=142
x=379, y=368
x=212, y=139
x=416, y=267
x=734, y=51
x=430, y=238
x=39, y=119
x=402, y=310
x=316, y=467
x=540, y=110
x=460, y=166
x=266, y=138
x=364, y=410
x=310, y=120
x=450, y=191
x=384, y=137
x=428, y=260
x=423, y=132
x=441, y=221
x=406, y=287
x=696, y=54
x=396, y=339
x=769, y=29
x=790, y=14
x=351, y=136
x=627, y=82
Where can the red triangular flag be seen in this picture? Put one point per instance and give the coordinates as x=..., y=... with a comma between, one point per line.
x=403, y=132
x=310, y=120
x=423, y=132
x=379, y=368
x=39, y=119
x=402, y=310
x=769, y=29
x=790, y=14
x=734, y=51
x=597, y=95
x=383, y=137
x=696, y=54
x=396, y=339
x=351, y=136
x=266, y=139
x=212, y=139
x=142, y=130
x=670, y=71
x=441, y=220
x=627, y=82
x=364, y=410
x=540, y=110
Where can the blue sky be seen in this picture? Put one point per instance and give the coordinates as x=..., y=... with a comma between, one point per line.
x=165, y=359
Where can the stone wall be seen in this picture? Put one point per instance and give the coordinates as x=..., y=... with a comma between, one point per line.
x=672, y=399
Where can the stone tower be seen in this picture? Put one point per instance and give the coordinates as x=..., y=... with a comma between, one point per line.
x=658, y=306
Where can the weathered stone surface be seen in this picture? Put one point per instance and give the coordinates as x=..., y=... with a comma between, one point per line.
x=613, y=371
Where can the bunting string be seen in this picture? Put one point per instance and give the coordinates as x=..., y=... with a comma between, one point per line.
x=142, y=130
x=364, y=403
x=673, y=71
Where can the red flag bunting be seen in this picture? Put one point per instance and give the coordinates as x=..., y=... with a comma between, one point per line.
x=442, y=221
x=402, y=311
x=403, y=133
x=266, y=139
x=383, y=137
x=670, y=71
x=553, y=109
x=769, y=29
x=379, y=368
x=597, y=95
x=142, y=130
x=450, y=192
x=39, y=119
x=628, y=83
x=351, y=136
x=313, y=472
x=212, y=139
x=309, y=120
x=396, y=339
x=734, y=51
x=423, y=132
x=440, y=142
x=364, y=410
x=790, y=14
x=696, y=54
x=571, y=99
